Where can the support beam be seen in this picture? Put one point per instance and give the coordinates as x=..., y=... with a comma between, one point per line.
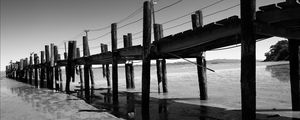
x=80, y=72
x=30, y=69
x=42, y=76
x=36, y=71
x=130, y=63
x=70, y=65
x=197, y=21
x=248, y=59
x=86, y=70
x=146, y=60
x=294, y=73
x=56, y=69
x=114, y=41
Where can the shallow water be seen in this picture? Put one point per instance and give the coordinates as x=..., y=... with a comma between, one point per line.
x=21, y=101
x=273, y=87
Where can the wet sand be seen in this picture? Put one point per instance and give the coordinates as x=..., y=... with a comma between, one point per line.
x=20, y=101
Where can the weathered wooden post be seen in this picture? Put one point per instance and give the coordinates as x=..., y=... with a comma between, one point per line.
x=130, y=63
x=80, y=72
x=197, y=21
x=294, y=73
x=35, y=70
x=248, y=59
x=25, y=70
x=56, y=69
x=103, y=65
x=86, y=69
x=114, y=63
x=70, y=65
x=30, y=69
x=42, y=76
x=158, y=62
x=106, y=70
x=47, y=68
x=146, y=60
x=51, y=67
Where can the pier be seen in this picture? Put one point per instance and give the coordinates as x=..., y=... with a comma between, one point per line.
x=281, y=20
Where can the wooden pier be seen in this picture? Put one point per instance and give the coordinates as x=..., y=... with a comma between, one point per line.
x=281, y=19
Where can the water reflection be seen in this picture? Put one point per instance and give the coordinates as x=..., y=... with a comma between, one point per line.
x=54, y=105
x=129, y=107
x=280, y=72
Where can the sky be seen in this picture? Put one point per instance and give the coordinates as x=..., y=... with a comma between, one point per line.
x=28, y=25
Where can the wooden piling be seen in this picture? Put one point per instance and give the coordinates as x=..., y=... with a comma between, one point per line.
x=56, y=69
x=197, y=21
x=248, y=59
x=127, y=68
x=70, y=65
x=26, y=70
x=130, y=63
x=146, y=59
x=294, y=74
x=35, y=70
x=80, y=72
x=114, y=41
x=42, y=76
x=51, y=67
x=86, y=69
x=47, y=68
x=30, y=69
x=107, y=70
x=158, y=62
x=103, y=65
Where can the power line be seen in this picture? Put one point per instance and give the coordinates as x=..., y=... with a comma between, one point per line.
x=168, y=6
x=222, y=10
x=192, y=12
x=203, y=16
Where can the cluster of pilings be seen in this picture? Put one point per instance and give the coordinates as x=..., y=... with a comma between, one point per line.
x=48, y=73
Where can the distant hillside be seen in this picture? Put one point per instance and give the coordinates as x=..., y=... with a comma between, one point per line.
x=218, y=61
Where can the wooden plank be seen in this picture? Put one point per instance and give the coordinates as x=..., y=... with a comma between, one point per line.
x=198, y=37
x=114, y=42
x=146, y=60
x=269, y=7
x=294, y=73
x=248, y=59
x=276, y=16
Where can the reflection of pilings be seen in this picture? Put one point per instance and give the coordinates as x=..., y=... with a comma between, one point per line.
x=130, y=106
x=163, y=109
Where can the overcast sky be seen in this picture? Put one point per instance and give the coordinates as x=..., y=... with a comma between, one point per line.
x=28, y=25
